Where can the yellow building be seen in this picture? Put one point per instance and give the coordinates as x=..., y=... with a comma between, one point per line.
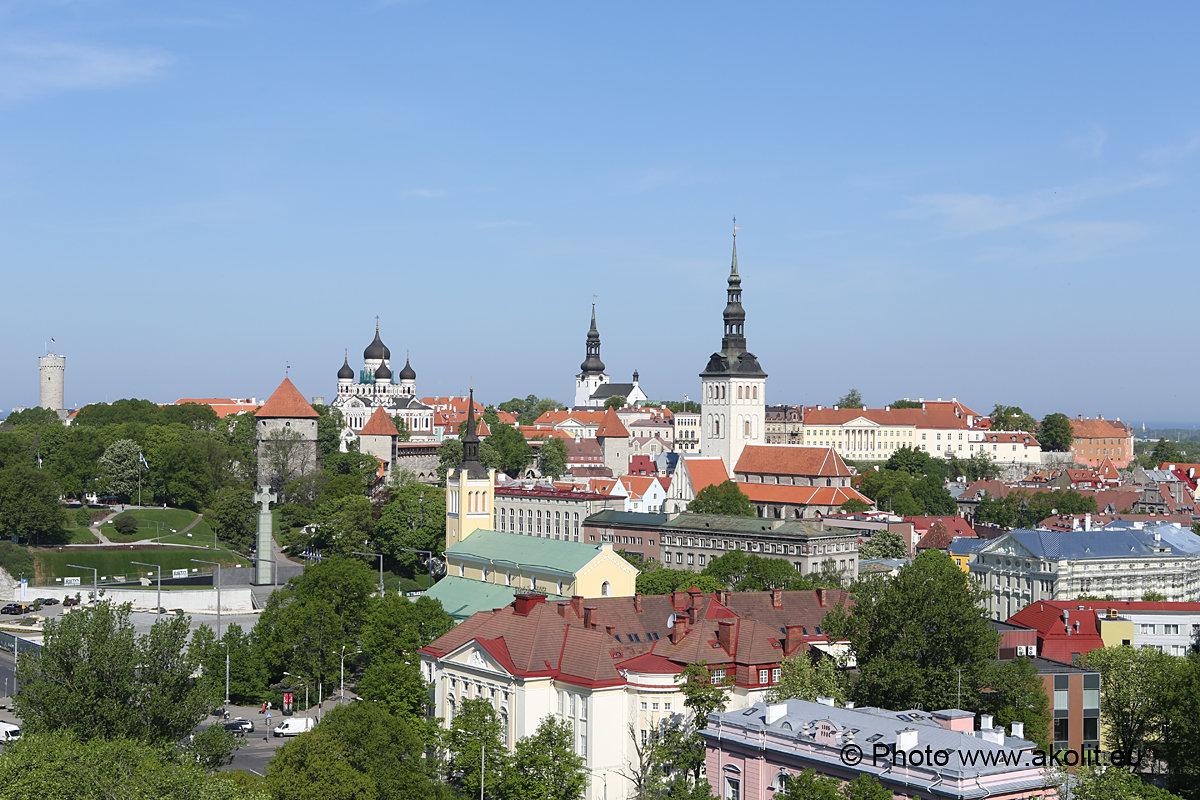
x=485, y=569
x=470, y=490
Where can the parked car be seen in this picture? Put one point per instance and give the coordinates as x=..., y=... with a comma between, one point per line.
x=70, y=601
x=13, y=608
x=240, y=726
x=48, y=601
x=9, y=732
x=294, y=726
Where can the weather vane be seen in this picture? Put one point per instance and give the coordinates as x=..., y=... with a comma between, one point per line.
x=735, y=226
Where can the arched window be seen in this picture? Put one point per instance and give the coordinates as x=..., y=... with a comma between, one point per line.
x=739, y=392
x=449, y=708
x=755, y=389
x=605, y=589
x=746, y=428
x=716, y=426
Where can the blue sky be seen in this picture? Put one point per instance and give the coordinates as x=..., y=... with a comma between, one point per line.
x=990, y=202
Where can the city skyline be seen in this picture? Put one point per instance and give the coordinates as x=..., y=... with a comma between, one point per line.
x=933, y=201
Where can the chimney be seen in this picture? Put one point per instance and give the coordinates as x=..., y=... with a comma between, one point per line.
x=775, y=712
x=906, y=739
x=723, y=597
x=993, y=735
x=725, y=634
x=676, y=633
x=1087, y=521
x=577, y=604
x=524, y=603
x=589, y=616
x=693, y=612
x=777, y=598
x=848, y=704
x=637, y=602
x=1018, y=730
x=986, y=722
x=563, y=605
x=678, y=600
x=792, y=638
x=825, y=701
x=610, y=629
x=821, y=596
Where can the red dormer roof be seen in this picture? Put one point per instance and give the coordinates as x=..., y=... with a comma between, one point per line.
x=380, y=424
x=286, y=403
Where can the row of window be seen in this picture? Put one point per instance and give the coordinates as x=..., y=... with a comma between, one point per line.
x=536, y=524
x=763, y=547
x=717, y=391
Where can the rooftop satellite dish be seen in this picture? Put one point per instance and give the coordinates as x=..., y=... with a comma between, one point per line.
x=671, y=621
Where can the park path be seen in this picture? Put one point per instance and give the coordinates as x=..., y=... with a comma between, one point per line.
x=105, y=541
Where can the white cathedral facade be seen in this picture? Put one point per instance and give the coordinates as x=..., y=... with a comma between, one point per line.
x=376, y=386
x=592, y=386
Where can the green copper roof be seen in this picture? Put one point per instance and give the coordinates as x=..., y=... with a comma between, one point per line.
x=503, y=549
x=462, y=597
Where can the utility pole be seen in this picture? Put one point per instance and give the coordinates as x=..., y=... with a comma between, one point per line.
x=380, y=557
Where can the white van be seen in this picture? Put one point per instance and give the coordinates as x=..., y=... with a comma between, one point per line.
x=294, y=726
x=9, y=732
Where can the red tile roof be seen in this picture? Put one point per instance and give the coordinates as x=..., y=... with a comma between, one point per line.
x=832, y=496
x=612, y=427
x=1099, y=429
x=380, y=424
x=1011, y=438
x=791, y=459
x=286, y=402
x=1054, y=642
x=933, y=415
x=943, y=532
x=223, y=406
x=555, y=418
x=956, y=525
x=705, y=471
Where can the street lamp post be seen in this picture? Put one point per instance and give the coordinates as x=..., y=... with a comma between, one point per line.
x=95, y=580
x=158, y=602
x=342, y=691
x=380, y=557
x=218, y=566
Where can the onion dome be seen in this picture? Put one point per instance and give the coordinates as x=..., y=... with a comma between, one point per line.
x=377, y=350
x=408, y=373
x=346, y=373
x=382, y=373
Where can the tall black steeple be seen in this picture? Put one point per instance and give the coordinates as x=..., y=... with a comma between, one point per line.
x=592, y=365
x=733, y=357
x=470, y=442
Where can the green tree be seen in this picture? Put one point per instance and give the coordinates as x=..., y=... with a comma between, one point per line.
x=476, y=727
x=1011, y=418
x=1114, y=783
x=855, y=506
x=179, y=476
x=911, y=635
x=1016, y=694
x=450, y=456
x=1055, y=433
x=1166, y=452
x=747, y=572
x=512, y=453
x=851, y=399
x=529, y=409
x=545, y=766
x=414, y=518
x=344, y=525
x=662, y=580
x=808, y=785
x=1134, y=682
x=806, y=678
x=703, y=694
x=883, y=544
x=247, y=675
x=616, y=402
x=906, y=403
x=1180, y=746
x=234, y=516
x=329, y=430
x=30, y=511
x=552, y=457
x=120, y=468
x=401, y=428
x=61, y=766
x=866, y=787
x=722, y=498
x=385, y=754
x=94, y=676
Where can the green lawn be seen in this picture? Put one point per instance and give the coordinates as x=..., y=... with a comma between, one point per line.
x=156, y=522
x=51, y=564
x=82, y=536
x=201, y=536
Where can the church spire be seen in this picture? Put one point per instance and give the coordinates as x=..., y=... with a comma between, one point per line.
x=470, y=442
x=734, y=341
x=592, y=365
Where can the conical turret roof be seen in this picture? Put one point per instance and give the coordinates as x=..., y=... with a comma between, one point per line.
x=286, y=402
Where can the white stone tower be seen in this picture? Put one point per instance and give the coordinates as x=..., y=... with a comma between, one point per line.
x=733, y=387
x=52, y=371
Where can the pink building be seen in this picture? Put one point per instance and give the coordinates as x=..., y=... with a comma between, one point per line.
x=751, y=753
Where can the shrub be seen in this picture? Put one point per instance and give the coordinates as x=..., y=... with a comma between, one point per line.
x=126, y=525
